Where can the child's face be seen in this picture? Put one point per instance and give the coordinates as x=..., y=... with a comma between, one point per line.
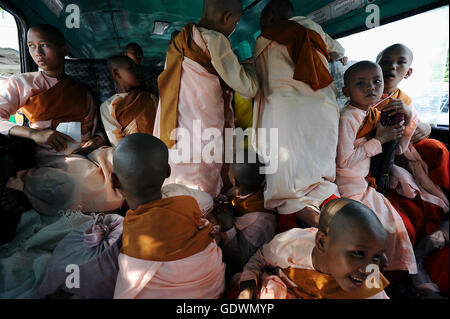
x=47, y=54
x=128, y=76
x=395, y=64
x=365, y=87
x=348, y=255
x=135, y=54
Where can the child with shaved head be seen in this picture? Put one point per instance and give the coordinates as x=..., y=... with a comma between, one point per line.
x=245, y=224
x=421, y=175
x=131, y=110
x=196, y=87
x=69, y=174
x=339, y=260
x=361, y=137
x=298, y=98
x=167, y=250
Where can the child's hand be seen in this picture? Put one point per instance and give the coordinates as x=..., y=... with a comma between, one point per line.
x=91, y=145
x=247, y=289
x=56, y=140
x=344, y=60
x=423, y=130
x=224, y=216
x=389, y=133
x=398, y=106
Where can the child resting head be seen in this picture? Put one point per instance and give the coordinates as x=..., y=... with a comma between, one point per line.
x=124, y=72
x=221, y=16
x=140, y=166
x=47, y=46
x=134, y=52
x=350, y=237
x=245, y=175
x=395, y=61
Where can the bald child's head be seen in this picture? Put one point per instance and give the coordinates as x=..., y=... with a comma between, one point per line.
x=350, y=237
x=245, y=175
x=124, y=72
x=276, y=10
x=140, y=166
x=221, y=16
x=395, y=61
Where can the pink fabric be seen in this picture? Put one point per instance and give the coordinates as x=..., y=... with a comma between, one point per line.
x=353, y=164
x=59, y=183
x=307, y=126
x=258, y=227
x=419, y=182
x=200, y=99
x=201, y=276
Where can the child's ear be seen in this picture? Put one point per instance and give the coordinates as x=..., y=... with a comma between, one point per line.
x=115, y=181
x=169, y=171
x=345, y=91
x=226, y=16
x=408, y=74
x=116, y=73
x=321, y=239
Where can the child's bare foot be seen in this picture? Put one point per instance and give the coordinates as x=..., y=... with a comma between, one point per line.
x=308, y=216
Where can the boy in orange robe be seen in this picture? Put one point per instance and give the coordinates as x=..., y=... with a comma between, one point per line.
x=168, y=250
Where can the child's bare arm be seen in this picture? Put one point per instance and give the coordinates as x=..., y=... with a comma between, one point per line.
x=250, y=275
x=56, y=140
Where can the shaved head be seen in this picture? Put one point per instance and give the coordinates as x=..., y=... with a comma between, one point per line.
x=141, y=163
x=214, y=7
x=119, y=62
x=248, y=174
x=362, y=65
x=397, y=47
x=340, y=216
x=54, y=34
x=276, y=10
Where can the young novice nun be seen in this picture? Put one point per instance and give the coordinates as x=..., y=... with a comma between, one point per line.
x=131, y=110
x=245, y=224
x=194, y=88
x=167, y=251
x=419, y=186
x=64, y=178
x=330, y=262
x=364, y=86
x=298, y=98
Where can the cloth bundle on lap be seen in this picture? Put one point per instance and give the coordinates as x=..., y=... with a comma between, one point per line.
x=94, y=247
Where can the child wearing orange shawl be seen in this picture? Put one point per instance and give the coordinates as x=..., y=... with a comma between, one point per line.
x=331, y=262
x=168, y=250
x=245, y=224
x=131, y=110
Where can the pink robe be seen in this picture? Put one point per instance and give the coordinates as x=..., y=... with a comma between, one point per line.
x=293, y=249
x=353, y=164
x=201, y=98
x=59, y=182
x=307, y=126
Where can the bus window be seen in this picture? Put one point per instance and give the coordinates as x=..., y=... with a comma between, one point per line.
x=9, y=51
x=426, y=34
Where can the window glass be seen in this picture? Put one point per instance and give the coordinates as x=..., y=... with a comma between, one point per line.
x=426, y=34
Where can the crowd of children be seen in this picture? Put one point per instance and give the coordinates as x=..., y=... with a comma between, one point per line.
x=323, y=225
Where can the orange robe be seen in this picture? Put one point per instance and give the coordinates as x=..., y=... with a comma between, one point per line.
x=168, y=252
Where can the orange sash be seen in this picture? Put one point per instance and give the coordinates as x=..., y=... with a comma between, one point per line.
x=169, y=80
x=66, y=101
x=138, y=106
x=398, y=94
x=369, y=125
x=165, y=230
x=251, y=204
x=303, y=45
x=312, y=284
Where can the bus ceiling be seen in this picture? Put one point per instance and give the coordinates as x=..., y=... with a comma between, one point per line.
x=105, y=27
